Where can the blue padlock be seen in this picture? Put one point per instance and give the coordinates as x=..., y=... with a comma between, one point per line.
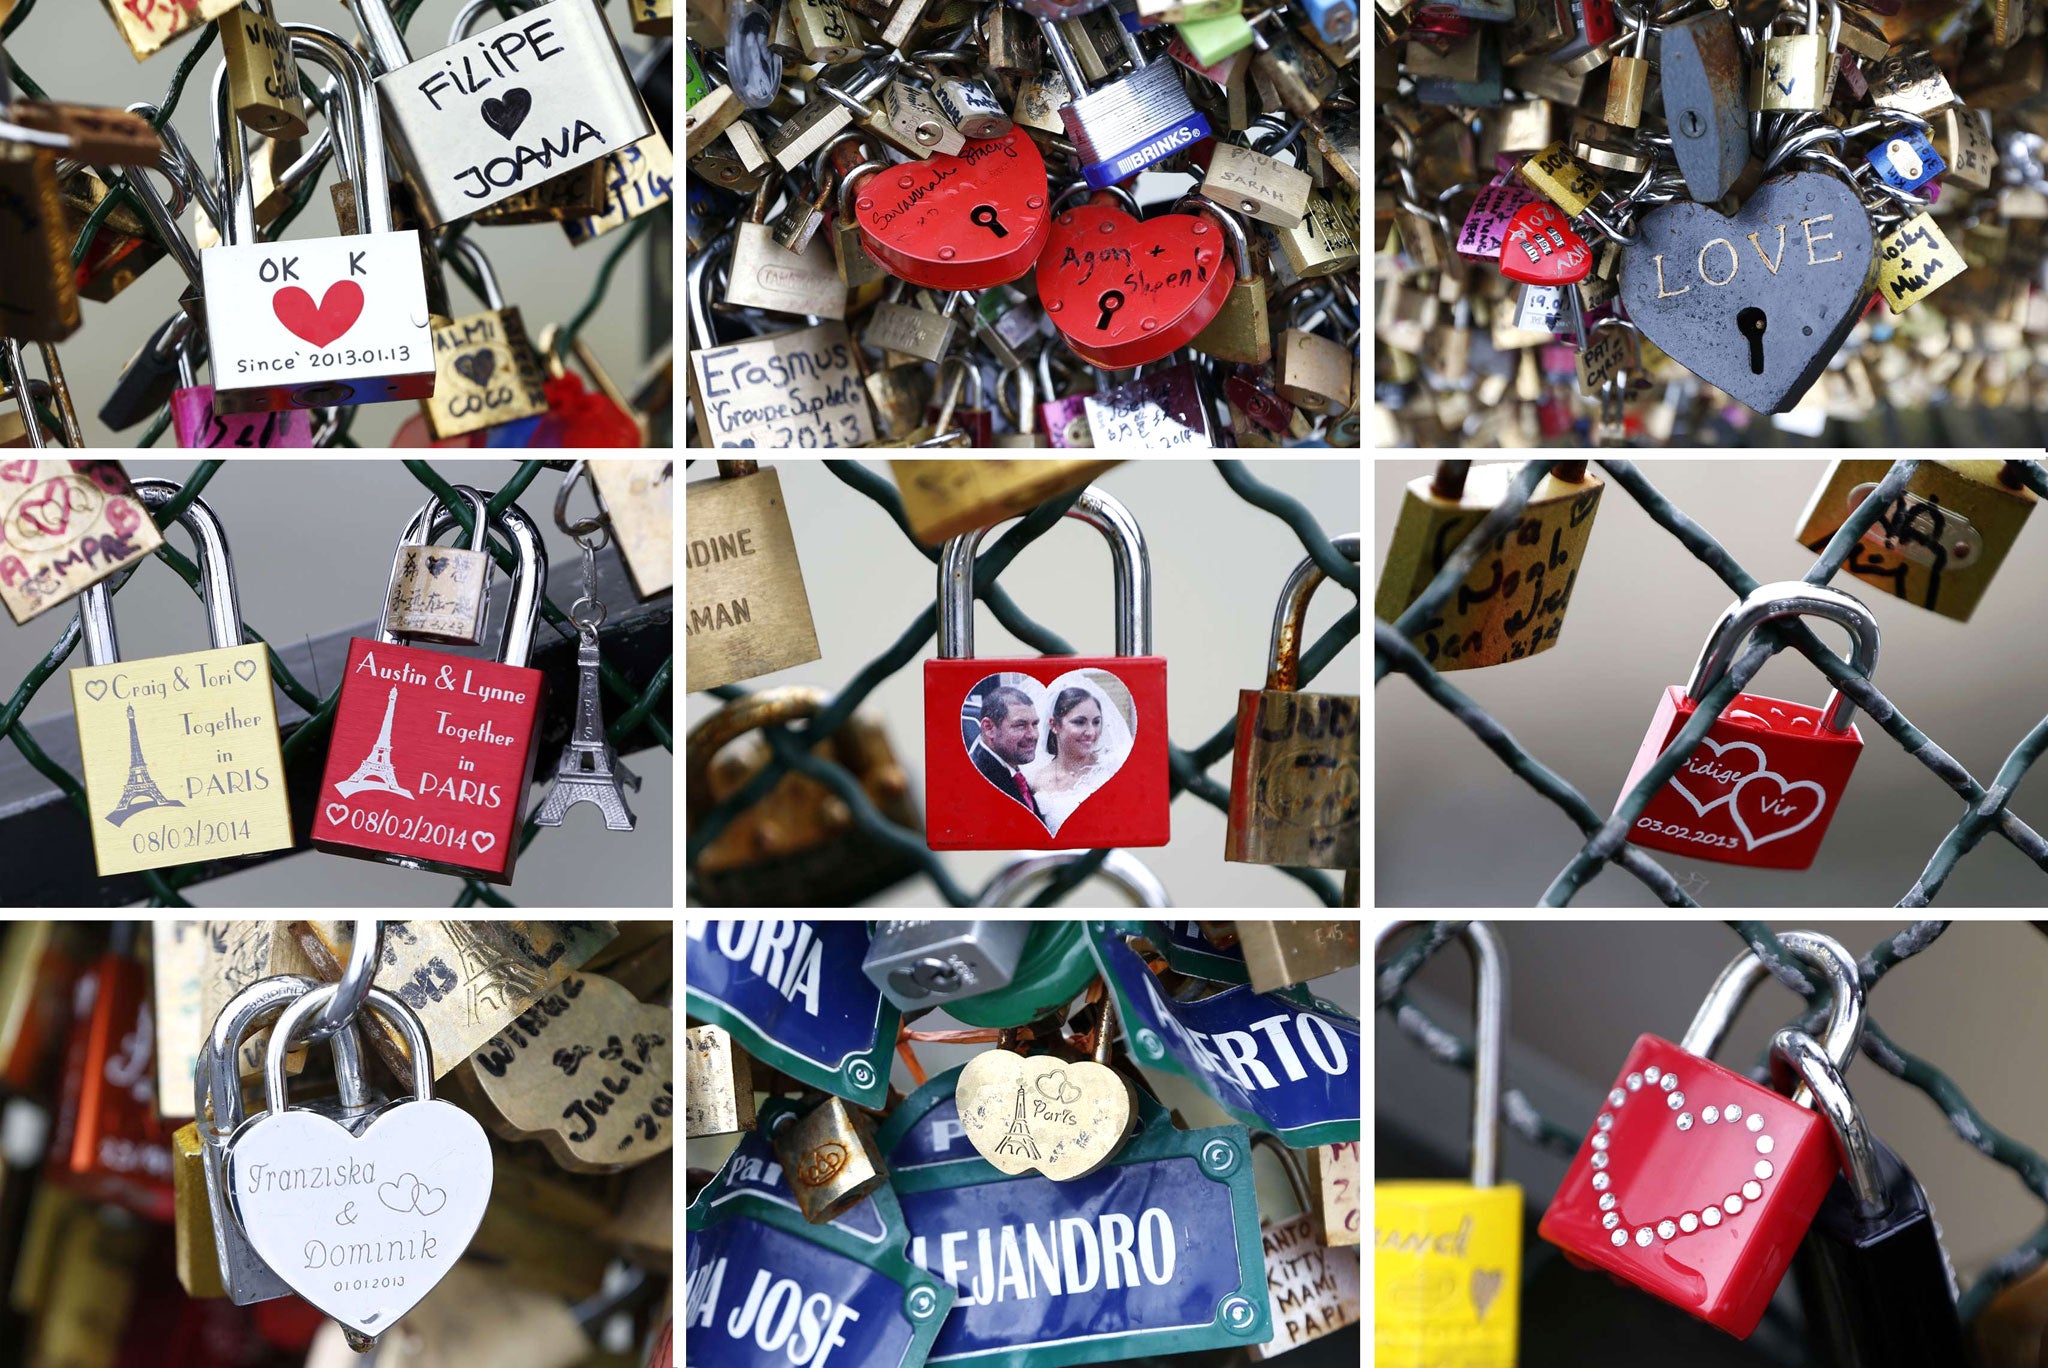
x=1335, y=20
x=1906, y=160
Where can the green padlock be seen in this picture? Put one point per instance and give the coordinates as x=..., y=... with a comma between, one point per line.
x=1211, y=40
x=1055, y=967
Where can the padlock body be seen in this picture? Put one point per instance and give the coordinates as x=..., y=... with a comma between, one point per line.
x=1294, y=780
x=64, y=527
x=1447, y=1274
x=964, y=810
x=942, y=499
x=430, y=760
x=1705, y=1214
x=109, y=1143
x=918, y=964
x=438, y=592
x=1278, y=954
x=1760, y=790
x=197, y=426
x=181, y=757
x=719, y=1084
x=749, y=614
x=830, y=1159
x=485, y=373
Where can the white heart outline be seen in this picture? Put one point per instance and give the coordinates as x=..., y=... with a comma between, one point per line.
x=484, y=840
x=1651, y=1081
x=1743, y=827
x=1044, y=692
x=1719, y=749
x=337, y=813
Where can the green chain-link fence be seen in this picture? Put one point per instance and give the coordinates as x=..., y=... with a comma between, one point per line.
x=790, y=745
x=642, y=704
x=1985, y=809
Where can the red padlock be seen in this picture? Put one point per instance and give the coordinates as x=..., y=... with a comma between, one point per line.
x=1048, y=752
x=1124, y=292
x=110, y=1143
x=1696, y=1184
x=431, y=756
x=1542, y=248
x=962, y=222
x=1763, y=784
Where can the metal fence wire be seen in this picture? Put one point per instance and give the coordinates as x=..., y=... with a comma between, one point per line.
x=1985, y=808
x=1521, y=1116
x=306, y=745
x=791, y=744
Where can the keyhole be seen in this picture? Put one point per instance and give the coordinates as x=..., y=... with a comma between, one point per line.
x=1111, y=301
x=1692, y=125
x=984, y=216
x=1752, y=322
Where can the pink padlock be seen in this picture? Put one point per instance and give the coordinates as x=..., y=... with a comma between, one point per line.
x=1486, y=226
x=197, y=425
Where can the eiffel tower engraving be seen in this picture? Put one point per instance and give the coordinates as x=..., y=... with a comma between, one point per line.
x=375, y=772
x=494, y=980
x=589, y=771
x=1018, y=1140
x=141, y=794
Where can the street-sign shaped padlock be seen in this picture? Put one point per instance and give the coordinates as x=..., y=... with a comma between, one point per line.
x=438, y=592
x=1447, y=1256
x=920, y=964
x=181, y=754
x=1294, y=767
x=1764, y=783
x=1513, y=603
x=1873, y=1277
x=320, y=321
x=485, y=370
x=1048, y=752
x=749, y=614
x=1940, y=543
x=431, y=758
x=492, y=114
x=1694, y=1183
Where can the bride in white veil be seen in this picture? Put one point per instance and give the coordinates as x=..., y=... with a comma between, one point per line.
x=1086, y=741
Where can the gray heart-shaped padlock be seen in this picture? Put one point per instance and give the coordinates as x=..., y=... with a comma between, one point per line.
x=1757, y=303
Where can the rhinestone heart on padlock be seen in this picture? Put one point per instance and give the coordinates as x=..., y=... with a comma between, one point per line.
x=1063, y=1120
x=1542, y=249
x=961, y=222
x=1124, y=292
x=362, y=1226
x=1758, y=303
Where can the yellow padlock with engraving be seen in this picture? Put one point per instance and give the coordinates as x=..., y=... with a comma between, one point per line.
x=1447, y=1256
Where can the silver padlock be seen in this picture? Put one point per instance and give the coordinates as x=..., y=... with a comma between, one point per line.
x=438, y=592
x=323, y=321
x=491, y=115
x=1129, y=123
x=925, y=963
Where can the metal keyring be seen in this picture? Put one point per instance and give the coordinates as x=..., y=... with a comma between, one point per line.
x=354, y=985
x=592, y=534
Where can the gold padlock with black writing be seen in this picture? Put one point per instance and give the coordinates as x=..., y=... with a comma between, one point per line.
x=718, y=1091
x=263, y=79
x=829, y=1158
x=485, y=371
x=749, y=614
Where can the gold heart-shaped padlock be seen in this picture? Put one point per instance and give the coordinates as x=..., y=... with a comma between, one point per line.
x=1064, y=1120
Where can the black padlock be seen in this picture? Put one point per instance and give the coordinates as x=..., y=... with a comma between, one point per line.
x=1872, y=1274
x=146, y=382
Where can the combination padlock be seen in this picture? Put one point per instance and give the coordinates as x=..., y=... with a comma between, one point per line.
x=1765, y=781
x=1694, y=1183
x=919, y=964
x=1048, y=752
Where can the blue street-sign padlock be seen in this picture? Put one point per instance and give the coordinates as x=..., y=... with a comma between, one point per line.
x=1906, y=160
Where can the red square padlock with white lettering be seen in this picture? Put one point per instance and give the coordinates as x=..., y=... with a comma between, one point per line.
x=431, y=756
x=1695, y=1183
x=1763, y=784
x=1048, y=752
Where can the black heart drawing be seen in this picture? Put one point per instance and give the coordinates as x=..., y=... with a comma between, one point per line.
x=507, y=114
x=436, y=564
x=476, y=367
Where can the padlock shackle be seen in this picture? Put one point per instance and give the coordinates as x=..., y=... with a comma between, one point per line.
x=216, y=579
x=1283, y=653
x=415, y=533
x=418, y=1049
x=472, y=10
x=529, y=581
x=381, y=33
x=1789, y=598
x=766, y=707
x=217, y=1074
x=1797, y=1058
x=1130, y=564
x=1844, y=1033
x=1489, y=1037
x=1018, y=877
x=465, y=247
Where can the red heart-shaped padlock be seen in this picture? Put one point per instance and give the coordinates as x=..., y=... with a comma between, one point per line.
x=1543, y=249
x=1124, y=292
x=964, y=222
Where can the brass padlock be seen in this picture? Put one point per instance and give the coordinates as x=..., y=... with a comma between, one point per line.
x=1280, y=953
x=1513, y=604
x=1294, y=771
x=1333, y=1180
x=639, y=505
x=749, y=614
x=942, y=499
x=830, y=1159
x=263, y=79
x=718, y=1093
x=38, y=291
x=1313, y=372
x=485, y=370
x=1242, y=329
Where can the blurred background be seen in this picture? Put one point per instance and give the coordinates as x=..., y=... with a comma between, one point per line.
x=1639, y=615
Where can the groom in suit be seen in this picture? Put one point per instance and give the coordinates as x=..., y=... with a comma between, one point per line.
x=1008, y=740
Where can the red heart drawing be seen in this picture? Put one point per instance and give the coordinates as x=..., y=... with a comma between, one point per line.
x=961, y=222
x=1766, y=807
x=1543, y=249
x=1709, y=776
x=319, y=324
x=1123, y=292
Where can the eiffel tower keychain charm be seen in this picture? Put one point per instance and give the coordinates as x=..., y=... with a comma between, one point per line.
x=589, y=770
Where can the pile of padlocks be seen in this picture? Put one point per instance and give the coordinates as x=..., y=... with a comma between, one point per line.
x=429, y=754
x=967, y=222
x=476, y=1168
x=1614, y=223
x=532, y=118
x=1038, y=1204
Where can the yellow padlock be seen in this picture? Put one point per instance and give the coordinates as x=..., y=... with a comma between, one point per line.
x=1447, y=1256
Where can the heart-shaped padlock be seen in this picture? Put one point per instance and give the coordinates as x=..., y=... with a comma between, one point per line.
x=1063, y=1120
x=1757, y=303
x=961, y=222
x=1124, y=292
x=1543, y=249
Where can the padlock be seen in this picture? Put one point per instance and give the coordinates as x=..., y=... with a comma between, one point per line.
x=829, y=1157
x=749, y=614
x=1248, y=181
x=181, y=753
x=718, y=1091
x=109, y=1144
x=465, y=138
x=1294, y=771
x=1325, y=242
x=1628, y=77
x=1907, y=160
x=39, y=299
x=1313, y=1289
x=1314, y=372
x=1796, y=71
x=365, y=337
x=894, y=326
x=485, y=372
x=430, y=759
x=767, y=275
x=147, y=27
x=1017, y=880
x=2012, y=1329
x=438, y=593
x=1447, y=1256
x=1129, y=124
x=959, y=222
x=971, y=106
x=1513, y=603
x=66, y=525
x=1278, y=954
x=942, y=499
x=1333, y=1174
x=1694, y=1183
x=1766, y=780
x=919, y=964
x=1107, y=713
x=198, y=427
x=1122, y=292
x=824, y=31
x=638, y=499
x=1874, y=1280
x=262, y=77
x=1942, y=541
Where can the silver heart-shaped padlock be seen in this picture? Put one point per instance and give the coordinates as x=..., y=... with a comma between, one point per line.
x=362, y=1226
x=1760, y=302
